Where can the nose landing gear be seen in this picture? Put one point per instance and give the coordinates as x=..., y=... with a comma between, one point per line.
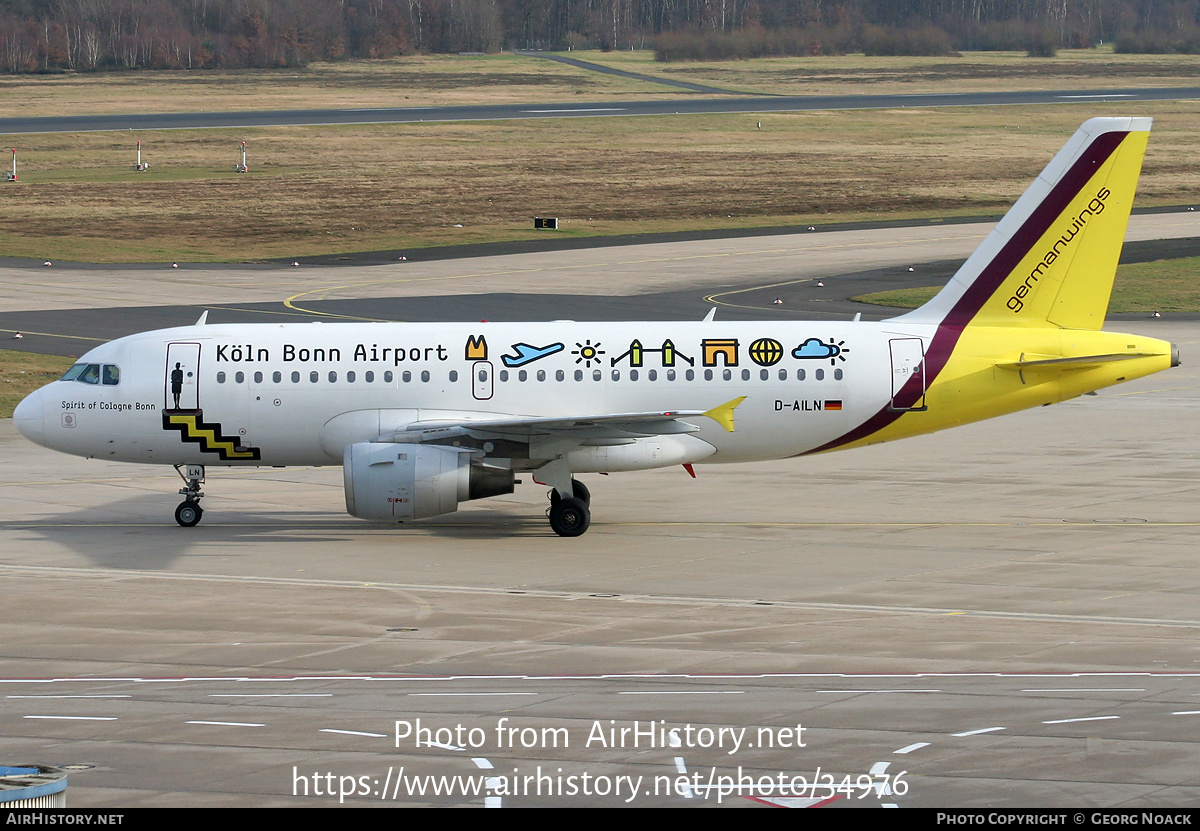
x=188, y=513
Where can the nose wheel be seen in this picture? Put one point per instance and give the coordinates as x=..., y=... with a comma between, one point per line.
x=188, y=513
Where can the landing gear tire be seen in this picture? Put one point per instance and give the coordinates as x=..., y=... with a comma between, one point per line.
x=569, y=517
x=188, y=513
x=579, y=491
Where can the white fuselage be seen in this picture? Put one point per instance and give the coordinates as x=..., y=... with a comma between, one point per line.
x=300, y=393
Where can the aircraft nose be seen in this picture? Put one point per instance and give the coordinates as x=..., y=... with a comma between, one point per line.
x=30, y=417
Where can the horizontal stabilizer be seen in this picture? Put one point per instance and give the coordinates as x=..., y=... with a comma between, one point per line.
x=1080, y=362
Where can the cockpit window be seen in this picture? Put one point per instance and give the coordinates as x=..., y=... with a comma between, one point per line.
x=109, y=374
x=74, y=372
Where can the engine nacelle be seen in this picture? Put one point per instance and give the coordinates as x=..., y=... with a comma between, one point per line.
x=401, y=482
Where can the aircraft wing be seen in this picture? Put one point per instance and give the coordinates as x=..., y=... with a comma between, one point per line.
x=587, y=429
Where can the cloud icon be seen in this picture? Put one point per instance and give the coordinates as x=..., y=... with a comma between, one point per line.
x=813, y=348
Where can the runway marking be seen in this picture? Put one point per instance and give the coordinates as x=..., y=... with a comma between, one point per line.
x=354, y=733
x=1075, y=720
x=680, y=692
x=468, y=694
x=1186, y=713
x=911, y=748
x=1100, y=95
x=229, y=723
x=856, y=692
x=978, y=732
x=270, y=695
x=686, y=788
x=81, y=695
x=76, y=718
x=1085, y=689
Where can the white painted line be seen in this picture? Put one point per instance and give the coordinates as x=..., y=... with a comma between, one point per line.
x=483, y=764
x=912, y=747
x=1073, y=720
x=443, y=746
x=229, y=723
x=681, y=692
x=581, y=110
x=686, y=788
x=97, y=695
x=492, y=783
x=77, y=718
x=1186, y=713
x=270, y=695
x=471, y=694
x=978, y=732
x=354, y=733
x=879, y=771
x=856, y=692
x=1101, y=95
x=1085, y=689
x=889, y=805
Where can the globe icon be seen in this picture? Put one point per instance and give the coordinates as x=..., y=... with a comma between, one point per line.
x=766, y=351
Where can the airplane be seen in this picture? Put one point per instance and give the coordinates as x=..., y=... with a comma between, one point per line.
x=423, y=417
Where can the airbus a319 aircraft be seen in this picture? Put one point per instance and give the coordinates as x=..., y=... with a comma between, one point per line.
x=423, y=417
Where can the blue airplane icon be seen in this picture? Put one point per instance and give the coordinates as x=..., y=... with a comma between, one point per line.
x=527, y=354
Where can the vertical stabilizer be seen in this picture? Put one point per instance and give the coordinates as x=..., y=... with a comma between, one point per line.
x=1051, y=260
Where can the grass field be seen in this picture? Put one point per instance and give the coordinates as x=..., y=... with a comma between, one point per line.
x=1159, y=286
x=23, y=372
x=416, y=81
x=320, y=190
x=970, y=72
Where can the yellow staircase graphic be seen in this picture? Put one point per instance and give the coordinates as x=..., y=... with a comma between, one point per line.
x=193, y=428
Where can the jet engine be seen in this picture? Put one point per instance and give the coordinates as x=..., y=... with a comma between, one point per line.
x=401, y=482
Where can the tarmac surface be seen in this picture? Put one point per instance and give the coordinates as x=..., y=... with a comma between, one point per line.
x=1004, y=614
x=692, y=105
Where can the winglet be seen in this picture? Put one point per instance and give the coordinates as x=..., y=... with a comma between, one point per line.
x=712, y=313
x=723, y=414
x=203, y=318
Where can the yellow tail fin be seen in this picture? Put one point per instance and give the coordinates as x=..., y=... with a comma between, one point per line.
x=1052, y=259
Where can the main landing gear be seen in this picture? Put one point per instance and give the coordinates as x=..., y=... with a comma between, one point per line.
x=189, y=512
x=571, y=516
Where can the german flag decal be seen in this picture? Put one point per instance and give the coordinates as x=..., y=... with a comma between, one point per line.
x=833, y=404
